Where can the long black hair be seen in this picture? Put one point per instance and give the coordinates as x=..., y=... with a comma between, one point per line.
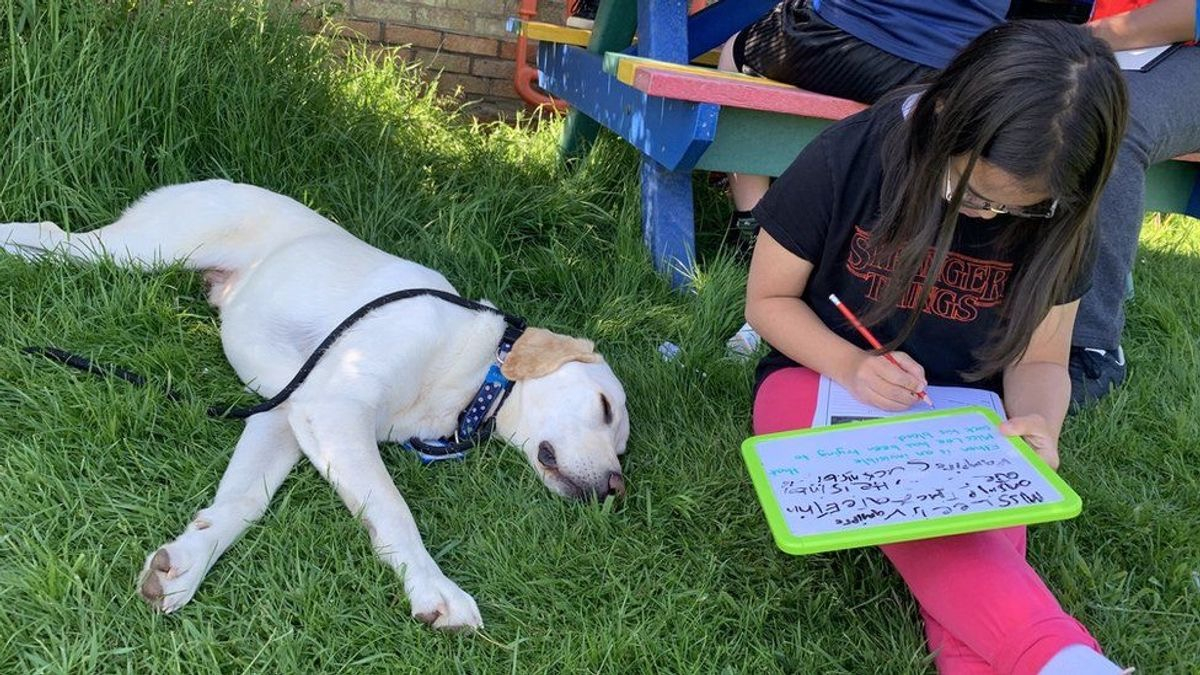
x=1041, y=100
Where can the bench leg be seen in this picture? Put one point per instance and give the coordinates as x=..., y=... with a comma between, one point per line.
x=668, y=228
x=616, y=23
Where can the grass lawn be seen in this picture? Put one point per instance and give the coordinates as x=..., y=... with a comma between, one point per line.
x=99, y=105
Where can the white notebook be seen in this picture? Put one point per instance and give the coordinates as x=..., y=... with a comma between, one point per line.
x=835, y=405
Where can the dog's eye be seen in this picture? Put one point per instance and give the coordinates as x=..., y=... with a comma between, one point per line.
x=607, y=408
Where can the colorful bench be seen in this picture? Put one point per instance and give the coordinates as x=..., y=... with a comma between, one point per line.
x=683, y=117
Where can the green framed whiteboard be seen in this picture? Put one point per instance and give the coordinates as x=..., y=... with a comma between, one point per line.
x=900, y=478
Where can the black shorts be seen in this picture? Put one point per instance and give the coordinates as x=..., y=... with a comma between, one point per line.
x=792, y=44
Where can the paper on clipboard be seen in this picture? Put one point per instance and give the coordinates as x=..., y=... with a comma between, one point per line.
x=835, y=405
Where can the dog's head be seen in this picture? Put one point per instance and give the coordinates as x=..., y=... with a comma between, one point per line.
x=566, y=413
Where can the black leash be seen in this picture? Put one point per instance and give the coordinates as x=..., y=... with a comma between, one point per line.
x=301, y=375
x=516, y=325
x=87, y=365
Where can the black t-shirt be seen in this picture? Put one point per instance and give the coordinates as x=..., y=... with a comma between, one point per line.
x=823, y=209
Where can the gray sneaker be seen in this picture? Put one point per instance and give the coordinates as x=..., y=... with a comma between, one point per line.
x=1094, y=373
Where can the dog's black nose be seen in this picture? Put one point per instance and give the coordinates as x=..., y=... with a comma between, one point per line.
x=546, y=455
x=616, y=484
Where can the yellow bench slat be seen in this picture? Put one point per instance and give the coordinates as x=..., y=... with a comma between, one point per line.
x=549, y=32
x=625, y=68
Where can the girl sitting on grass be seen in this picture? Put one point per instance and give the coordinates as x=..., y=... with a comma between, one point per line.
x=958, y=219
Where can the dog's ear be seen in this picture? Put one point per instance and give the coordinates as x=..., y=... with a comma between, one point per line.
x=540, y=352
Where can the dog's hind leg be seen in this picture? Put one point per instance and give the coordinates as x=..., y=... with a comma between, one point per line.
x=31, y=240
x=339, y=440
x=205, y=225
x=34, y=240
x=265, y=454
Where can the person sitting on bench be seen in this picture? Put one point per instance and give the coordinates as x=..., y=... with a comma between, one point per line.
x=1163, y=123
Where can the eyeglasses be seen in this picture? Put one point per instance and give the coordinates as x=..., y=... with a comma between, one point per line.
x=974, y=202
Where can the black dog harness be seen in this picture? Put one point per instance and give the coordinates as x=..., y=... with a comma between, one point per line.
x=475, y=423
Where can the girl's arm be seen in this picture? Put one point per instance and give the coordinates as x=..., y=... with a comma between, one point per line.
x=1037, y=388
x=1160, y=23
x=774, y=308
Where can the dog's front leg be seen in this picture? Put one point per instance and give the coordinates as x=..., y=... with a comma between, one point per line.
x=265, y=454
x=340, y=441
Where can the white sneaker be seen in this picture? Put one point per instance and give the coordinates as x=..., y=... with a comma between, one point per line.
x=744, y=343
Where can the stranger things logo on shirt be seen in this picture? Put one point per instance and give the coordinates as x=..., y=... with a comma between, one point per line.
x=964, y=285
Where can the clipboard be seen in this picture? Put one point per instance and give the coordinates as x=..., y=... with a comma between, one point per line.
x=899, y=479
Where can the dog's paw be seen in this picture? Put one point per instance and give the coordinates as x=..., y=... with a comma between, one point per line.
x=439, y=602
x=170, y=577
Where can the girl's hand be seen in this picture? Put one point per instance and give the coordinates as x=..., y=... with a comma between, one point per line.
x=1037, y=433
x=878, y=382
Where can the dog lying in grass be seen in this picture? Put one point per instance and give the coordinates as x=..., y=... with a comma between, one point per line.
x=283, y=277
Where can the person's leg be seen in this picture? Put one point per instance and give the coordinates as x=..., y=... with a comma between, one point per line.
x=1162, y=124
x=979, y=588
x=744, y=189
x=786, y=400
x=950, y=654
x=793, y=44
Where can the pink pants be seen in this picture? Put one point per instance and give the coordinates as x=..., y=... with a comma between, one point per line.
x=985, y=609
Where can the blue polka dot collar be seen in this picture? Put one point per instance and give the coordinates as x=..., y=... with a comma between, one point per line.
x=477, y=421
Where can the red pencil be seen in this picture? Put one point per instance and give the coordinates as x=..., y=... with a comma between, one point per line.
x=871, y=339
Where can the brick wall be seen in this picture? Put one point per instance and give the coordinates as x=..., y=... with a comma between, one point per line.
x=464, y=40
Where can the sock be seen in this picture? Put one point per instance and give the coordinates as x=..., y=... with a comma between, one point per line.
x=1075, y=659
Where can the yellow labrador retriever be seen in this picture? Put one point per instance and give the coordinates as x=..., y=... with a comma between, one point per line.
x=283, y=277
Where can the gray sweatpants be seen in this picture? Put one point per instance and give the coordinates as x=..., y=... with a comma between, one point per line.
x=1164, y=122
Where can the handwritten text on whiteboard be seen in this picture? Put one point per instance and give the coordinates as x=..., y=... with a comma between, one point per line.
x=882, y=475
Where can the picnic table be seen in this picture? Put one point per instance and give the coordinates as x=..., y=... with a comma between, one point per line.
x=684, y=117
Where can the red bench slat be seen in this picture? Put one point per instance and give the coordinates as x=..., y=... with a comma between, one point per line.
x=742, y=94
x=769, y=97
